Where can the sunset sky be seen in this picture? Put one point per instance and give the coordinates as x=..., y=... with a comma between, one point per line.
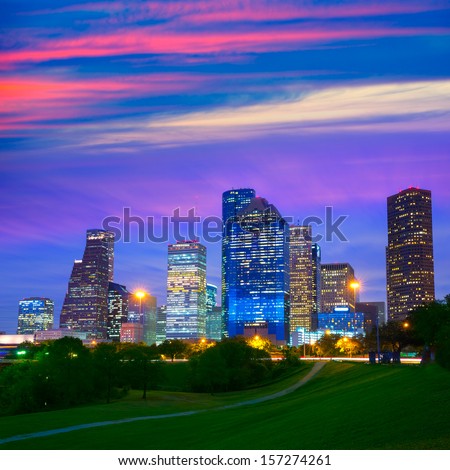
x=158, y=105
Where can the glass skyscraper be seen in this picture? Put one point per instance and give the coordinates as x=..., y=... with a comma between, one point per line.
x=301, y=277
x=85, y=305
x=409, y=254
x=118, y=297
x=186, y=291
x=35, y=314
x=256, y=269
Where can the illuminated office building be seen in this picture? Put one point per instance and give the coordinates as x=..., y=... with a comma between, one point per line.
x=301, y=277
x=35, y=314
x=256, y=270
x=186, y=291
x=161, y=314
x=316, y=278
x=337, y=290
x=117, y=309
x=85, y=305
x=233, y=201
x=213, y=314
x=409, y=253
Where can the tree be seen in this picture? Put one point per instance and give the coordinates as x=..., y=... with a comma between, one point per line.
x=173, y=348
x=229, y=365
x=326, y=345
x=430, y=326
x=395, y=335
x=107, y=366
x=142, y=366
x=349, y=346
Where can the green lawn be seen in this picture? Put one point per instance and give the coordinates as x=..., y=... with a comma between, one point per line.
x=347, y=406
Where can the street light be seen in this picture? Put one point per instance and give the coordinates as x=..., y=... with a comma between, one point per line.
x=140, y=294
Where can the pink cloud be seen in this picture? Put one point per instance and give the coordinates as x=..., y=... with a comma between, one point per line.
x=27, y=102
x=154, y=40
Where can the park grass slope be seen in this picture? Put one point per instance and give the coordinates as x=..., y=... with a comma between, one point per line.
x=346, y=406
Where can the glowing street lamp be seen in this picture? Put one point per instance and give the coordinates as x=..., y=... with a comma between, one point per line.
x=140, y=294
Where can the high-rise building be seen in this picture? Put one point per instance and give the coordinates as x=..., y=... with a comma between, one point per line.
x=256, y=270
x=316, y=280
x=409, y=253
x=375, y=312
x=118, y=297
x=234, y=200
x=301, y=277
x=213, y=314
x=337, y=287
x=142, y=309
x=35, y=314
x=85, y=306
x=186, y=291
x=161, y=313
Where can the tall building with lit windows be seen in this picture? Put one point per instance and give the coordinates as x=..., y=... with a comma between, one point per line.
x=301, y=277
x=118, y=297
x=186, y=291
x=409, y=253
x=316, y=277
x=85, y=305
x=233, y=201
x=35, y=314
x=256, y=270
x=337, y=290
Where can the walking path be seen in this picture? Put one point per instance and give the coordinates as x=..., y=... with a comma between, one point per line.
x=316, y=368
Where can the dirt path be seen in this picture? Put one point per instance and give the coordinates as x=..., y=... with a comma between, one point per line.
x=316, y=368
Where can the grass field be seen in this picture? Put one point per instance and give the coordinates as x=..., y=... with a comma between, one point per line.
x=347, y=406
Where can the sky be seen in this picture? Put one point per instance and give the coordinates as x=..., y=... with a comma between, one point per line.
x=162, y=105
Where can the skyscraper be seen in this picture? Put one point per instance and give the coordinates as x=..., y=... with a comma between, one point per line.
x=256, y=270
x=213, y=314
x=233, y=201
x=316, y=279
x=301, y=277
x=85, y=305
x=118, y=297
x=409, y=253
x=161, y=314
x=186, y=291
x=337, y=290
x=35, y=314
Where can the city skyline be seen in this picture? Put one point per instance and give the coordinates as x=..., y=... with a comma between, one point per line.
x=312, y=104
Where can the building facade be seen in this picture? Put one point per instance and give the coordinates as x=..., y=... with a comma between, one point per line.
x=85, y=305
x=316, y=283
x=186, y=291
x=35, y=314
x=118, y=297
x=409, y=253
x=256, y=270
x=161, y=319
x=301, y=277
x=336, y=290
x=132, y=333
x=213, y=314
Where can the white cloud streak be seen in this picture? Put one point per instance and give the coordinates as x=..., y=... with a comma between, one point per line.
x=391, y=107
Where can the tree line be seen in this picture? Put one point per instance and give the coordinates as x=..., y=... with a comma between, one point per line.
x=65, y=373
